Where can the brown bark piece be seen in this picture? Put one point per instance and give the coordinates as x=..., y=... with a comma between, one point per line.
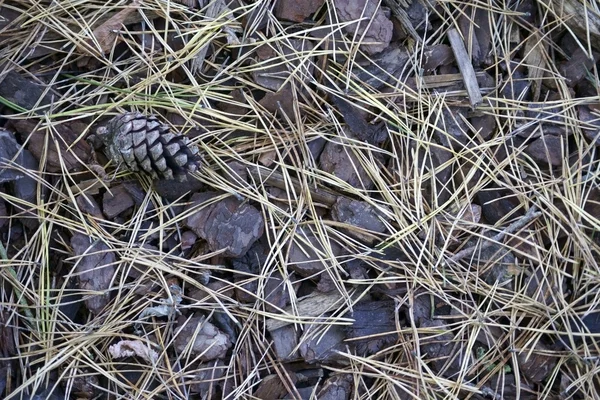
x=339, y=159
x=323, y=347
x=3, y=214
x=385, y=67
x=9, y=151
x=375, y=323
x=273, y=387
x=590, y=123
x=88, y=205
x=296, y=10
x=537, y=365
x=285, y=342
x=307, y=255
x=116, y=201
x=546, y=150
x=438, y=346
x=229, y=224
x=207, y=342
x=23, y=91
x=278, y=64
x=436, y=56
x=107, y=33
x=535, y=57
x=580, y=18
x=375, y=29
x=208, y=377
x=63, y=143
x=338, y=387
x=578, y=66
x=359, y=214
x=95, y=268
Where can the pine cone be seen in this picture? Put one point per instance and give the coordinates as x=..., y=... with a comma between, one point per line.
x=144, y=144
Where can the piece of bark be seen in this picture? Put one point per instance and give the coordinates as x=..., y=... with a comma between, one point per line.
x=3, y=214
x=87, y=204
x=437, y=346
x=309, y=307
x=172, y=190
x=475, y=28
x=62, y=138
x=374, y=134
x=546, y=150
x=116, y=201
x=202, y=339
x=201, y=295
x=484, y=126
x=590, y=123
x=452, y=129
x=276, y=179
x=24, y=92
x=338, y=387
x=95, y=267
x=285, y=343
x=85, y=385
x=496, y=203
x=130, y=348
x=208, y=377
x=440, y=187
x=108, y=32
x=274, y=292
x=374, y=327
x=280, y=103
x=277, y=65
x=385, y=67
x=307, y=254
x=26, y=187
x=338, y=159
x=374, y=29
x=360, y=215
x=535, y=57
x=578, y=16
x=296, y=10
x=319, y=345
x=9, y=153
x=538, y=364
x=436, y=56
x=229, y=224
x=466, y=67
x=273, y=387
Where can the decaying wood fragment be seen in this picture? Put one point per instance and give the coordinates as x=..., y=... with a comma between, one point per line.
x=466, y=67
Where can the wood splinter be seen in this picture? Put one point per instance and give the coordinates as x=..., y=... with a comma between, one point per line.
x=466, y=67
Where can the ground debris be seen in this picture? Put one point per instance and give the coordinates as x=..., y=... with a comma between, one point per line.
x=24, y=92
x=202, y=339
x=66, y=150
x=375, y=28
x=95, y=266
x=374, y=326
x=338, y=387
x=129, y=348
x=229, y=224
x=116, y=201
x=297, y=11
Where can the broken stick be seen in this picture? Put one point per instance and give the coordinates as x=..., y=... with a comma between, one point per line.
x=466, y=67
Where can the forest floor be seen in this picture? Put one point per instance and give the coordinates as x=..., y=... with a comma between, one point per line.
x=394, y=200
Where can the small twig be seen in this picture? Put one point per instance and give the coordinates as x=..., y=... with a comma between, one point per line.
x=521, y=222
x=466, y=67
